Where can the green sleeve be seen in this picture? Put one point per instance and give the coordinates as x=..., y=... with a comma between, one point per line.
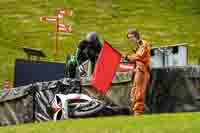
x=77, y=54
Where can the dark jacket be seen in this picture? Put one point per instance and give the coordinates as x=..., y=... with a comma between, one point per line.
x=88, y=50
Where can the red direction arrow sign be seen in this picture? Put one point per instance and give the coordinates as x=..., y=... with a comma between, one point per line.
x=48, y=19
x=64, y=28
x=64, y=12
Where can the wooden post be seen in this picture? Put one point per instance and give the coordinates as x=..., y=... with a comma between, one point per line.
x=56, y=39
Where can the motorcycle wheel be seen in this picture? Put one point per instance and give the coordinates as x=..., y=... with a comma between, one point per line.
x=89, y=111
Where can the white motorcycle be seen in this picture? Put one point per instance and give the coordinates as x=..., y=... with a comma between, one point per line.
x=75, y=105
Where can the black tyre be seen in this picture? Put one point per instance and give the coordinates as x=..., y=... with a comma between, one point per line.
x=89, y=110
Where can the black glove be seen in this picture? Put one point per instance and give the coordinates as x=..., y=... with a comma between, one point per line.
x=126, y=57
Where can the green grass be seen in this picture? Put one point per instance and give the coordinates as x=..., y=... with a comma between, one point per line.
x=160, y=22
x=165, y=123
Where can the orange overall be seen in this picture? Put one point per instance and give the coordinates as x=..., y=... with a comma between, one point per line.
x=141, y=78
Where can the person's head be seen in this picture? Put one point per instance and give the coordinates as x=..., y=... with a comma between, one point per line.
x=92, y=36
x=133, y=35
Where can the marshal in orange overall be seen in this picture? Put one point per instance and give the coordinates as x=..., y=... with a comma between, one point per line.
x=141, y=58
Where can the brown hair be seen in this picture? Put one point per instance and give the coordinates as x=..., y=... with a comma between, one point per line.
x=133, y=32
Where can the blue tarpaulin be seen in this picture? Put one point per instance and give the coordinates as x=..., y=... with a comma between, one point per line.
x=27, y=72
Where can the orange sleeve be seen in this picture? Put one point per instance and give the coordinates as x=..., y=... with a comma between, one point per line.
x=139, y=55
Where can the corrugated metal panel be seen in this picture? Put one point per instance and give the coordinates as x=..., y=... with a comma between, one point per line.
x=173, y=55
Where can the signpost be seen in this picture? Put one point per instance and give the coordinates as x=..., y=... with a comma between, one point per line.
x=60, y=26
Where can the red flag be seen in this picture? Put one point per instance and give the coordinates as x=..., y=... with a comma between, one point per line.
x=105, y=68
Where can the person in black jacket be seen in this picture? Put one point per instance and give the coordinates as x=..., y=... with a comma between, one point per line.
x=88, y=49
